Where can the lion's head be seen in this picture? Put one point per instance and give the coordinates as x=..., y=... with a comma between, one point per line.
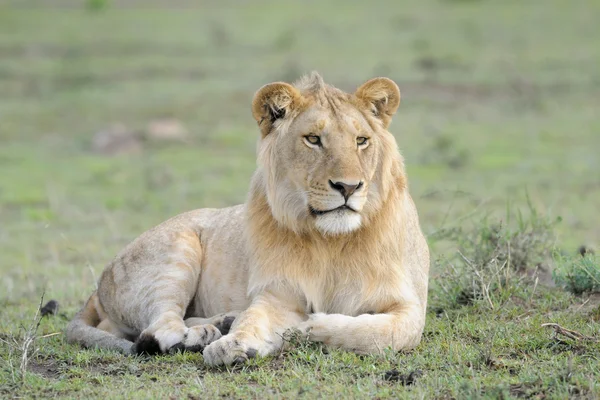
x=326, y=159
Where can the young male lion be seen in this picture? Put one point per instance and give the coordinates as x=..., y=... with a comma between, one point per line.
x=328, y=242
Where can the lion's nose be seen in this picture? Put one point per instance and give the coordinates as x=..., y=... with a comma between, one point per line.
x=346, y=189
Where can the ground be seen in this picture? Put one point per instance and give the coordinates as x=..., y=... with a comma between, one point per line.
x=499, y=117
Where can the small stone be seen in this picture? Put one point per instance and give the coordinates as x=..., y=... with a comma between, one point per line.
x=116, y=139
x=167, y=129
x=51, y=308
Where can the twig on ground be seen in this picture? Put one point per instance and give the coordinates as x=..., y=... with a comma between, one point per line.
x=50, y=335
x=581, y=306
x=559, y=330
x=30, y=337
x=89, y=265
x=535, y=284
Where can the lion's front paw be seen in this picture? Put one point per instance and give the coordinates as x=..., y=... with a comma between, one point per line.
x=314, y=328
x=326, y=328
x=228, y=350
x=197, y=338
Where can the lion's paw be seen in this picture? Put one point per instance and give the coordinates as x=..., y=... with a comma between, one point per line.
x=319, y=327
x=224, y=322
x=226, y=351
x=197, y=338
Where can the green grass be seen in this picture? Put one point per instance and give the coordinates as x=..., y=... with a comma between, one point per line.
x=499, y=106
x=578, y=274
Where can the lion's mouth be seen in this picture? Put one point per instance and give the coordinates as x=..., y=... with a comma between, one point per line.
x=344, y=207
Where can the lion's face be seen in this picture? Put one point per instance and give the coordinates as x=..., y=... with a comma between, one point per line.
x=324, y=152
x=328, y=161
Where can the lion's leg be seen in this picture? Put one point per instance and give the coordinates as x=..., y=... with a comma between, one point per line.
x=171, y=286
x=109, y=326
x=400, y=328
x=258, y=330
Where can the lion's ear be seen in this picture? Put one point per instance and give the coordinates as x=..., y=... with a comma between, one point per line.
x=382, y=96
x=272, y=102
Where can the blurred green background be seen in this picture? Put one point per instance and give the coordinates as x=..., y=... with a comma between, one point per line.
x=115, y=115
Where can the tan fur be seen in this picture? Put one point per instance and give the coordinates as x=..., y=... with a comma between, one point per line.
x=353, y=277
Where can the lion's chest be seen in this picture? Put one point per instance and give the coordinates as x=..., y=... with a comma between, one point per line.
x=338, y=297
x=331, y=281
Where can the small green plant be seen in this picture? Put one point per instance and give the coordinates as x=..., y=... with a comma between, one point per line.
x=97, y=5
x=577, y=274
x=493, y=259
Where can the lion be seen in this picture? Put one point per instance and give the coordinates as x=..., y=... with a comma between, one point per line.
x=328, y=244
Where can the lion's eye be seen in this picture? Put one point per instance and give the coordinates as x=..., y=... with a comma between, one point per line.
x=361, y=141
x=313, y=139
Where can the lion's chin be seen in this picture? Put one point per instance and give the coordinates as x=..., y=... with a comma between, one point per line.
x=338, y=222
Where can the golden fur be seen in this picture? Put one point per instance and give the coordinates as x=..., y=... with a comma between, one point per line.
x=327, y=243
